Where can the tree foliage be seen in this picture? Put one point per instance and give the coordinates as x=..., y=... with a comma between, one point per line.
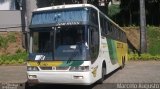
x=113, y=10
x=129, y=12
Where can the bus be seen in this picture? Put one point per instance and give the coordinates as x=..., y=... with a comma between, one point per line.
x=74, y=44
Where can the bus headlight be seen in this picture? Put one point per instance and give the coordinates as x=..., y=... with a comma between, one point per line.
x=79, y=69
x=32, y=68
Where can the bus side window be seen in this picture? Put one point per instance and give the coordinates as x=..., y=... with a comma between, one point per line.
x=123, y=36
x=111, y=30
x=102, y=24
x=114, y=32
x=94, y=16
x=106, y=27
x=35, y=42
x=94, y=43
x=109, y=27
x=118, y=34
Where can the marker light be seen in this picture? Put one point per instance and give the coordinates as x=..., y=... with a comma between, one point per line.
x=80, y=68
x=32, y=68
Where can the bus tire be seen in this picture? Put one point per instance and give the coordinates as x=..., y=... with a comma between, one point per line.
x=100, y=81
x=123, y=63
x=29, y=85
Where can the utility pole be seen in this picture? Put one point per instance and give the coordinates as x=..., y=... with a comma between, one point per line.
x=143, y=39
x=22, y=5
x=27, y=19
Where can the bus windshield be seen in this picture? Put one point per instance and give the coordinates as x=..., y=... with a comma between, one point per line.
x=63, y=17
x=59, y=43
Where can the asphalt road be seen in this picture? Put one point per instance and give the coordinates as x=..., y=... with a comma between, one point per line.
x=135, y=72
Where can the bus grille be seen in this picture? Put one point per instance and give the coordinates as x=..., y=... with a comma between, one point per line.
x=46, y=68
x=62, y=68
x=54, y=68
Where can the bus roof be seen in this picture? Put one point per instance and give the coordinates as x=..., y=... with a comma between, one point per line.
x=65, y=7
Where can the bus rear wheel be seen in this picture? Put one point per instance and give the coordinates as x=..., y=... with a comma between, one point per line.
x=103, y=75
x=123, y=63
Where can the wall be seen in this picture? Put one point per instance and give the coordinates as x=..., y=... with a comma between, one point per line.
x=10, y=20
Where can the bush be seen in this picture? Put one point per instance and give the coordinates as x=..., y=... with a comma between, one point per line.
x=1, y=61
x=18, y=58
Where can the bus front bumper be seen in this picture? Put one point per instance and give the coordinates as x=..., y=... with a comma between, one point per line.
x=75, y=78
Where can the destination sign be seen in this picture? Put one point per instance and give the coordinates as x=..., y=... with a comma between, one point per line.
x=68, y=23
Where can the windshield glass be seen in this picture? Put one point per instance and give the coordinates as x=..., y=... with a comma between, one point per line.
x=59, y=43
x=71, y=43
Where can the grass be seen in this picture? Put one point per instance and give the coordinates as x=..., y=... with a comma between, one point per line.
x=143, y=57
x=4, y=41
x=11, y=37
x=18, y=58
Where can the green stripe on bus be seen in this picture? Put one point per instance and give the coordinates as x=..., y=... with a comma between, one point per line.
x=77, y=63
x=72, y=63
x=112, y=50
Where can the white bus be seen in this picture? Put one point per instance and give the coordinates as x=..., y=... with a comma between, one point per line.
x=74, y=44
